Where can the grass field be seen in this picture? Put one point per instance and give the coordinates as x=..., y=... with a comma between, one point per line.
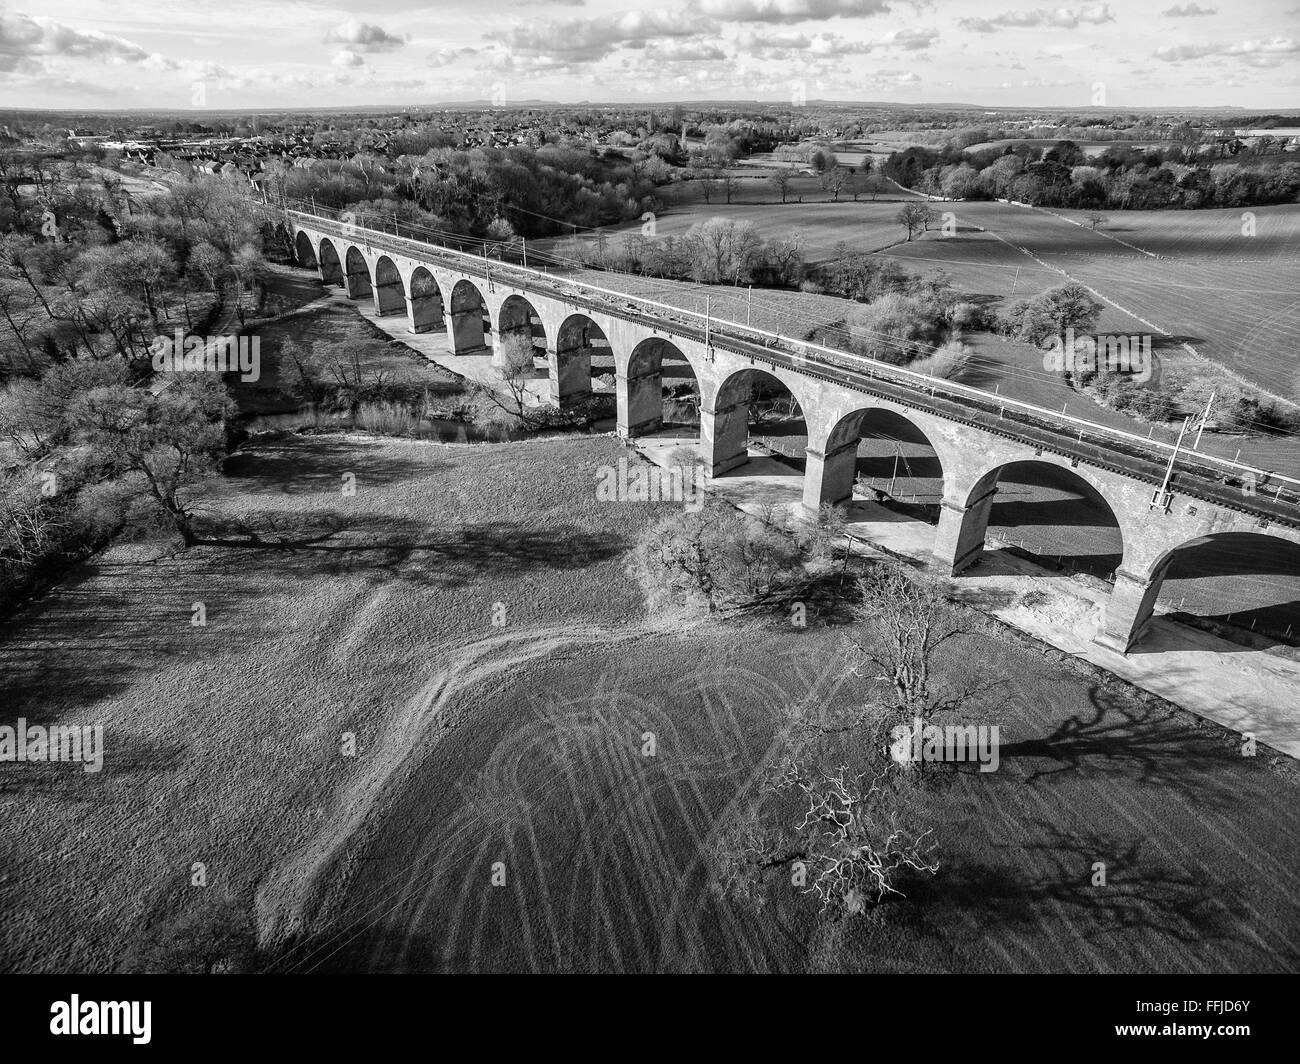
x=603, y=847
x=1091, y=148
x=818, y=223
x=1234, y=298
x=521, y=744
x=223, y=740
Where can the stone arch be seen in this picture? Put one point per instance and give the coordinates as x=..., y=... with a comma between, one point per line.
x=517, y=317
x=582, y=351
x=470, y=324
x=390, y=293
x=331, y=267
x=659, y=390
x=303, y=251
x=886, y=452
x=1040, y=508
x=424, y=304
x=356, y=274
x=755, y=398
x=1250, y=580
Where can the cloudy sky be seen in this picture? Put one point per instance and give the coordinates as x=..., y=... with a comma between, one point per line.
x=286, y=53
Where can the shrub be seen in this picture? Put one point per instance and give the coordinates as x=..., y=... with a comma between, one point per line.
x=386, y=418
x=947, y=362
x=1239, y=414
x=1278, y=417
x=896, y=328
x=967, y=316
x=1050, y=314
x=720, y=558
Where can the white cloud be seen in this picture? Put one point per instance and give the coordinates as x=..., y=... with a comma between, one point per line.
x=584, y=40
x=764, y=45
x=346, y=57
x=1254, y=53
x=364, y=37
x=24, y=40
x=446, y=56
x=1067, y=18
x=912, y=40
x=685, y=52
x=790, y=11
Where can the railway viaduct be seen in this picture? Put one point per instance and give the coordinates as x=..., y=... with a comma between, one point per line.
x=1162, y=500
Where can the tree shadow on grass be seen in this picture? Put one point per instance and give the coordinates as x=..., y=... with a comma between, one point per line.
x=1148, y=743
x=317, y=465
x=93, y=636
x=123, y=755
x=336, y=543
x=1140, y=897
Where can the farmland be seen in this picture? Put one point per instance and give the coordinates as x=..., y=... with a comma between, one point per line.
x=1091, y=148
x=820, y=224
x=1195, y=275
x=1234, y=298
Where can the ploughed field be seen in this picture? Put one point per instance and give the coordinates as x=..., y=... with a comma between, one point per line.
x=1208, y=278
x=516, y=750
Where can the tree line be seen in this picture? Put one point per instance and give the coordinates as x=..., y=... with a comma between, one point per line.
x=1123, y=176
x=92, y=438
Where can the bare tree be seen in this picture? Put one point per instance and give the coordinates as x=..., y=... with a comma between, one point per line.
x=30, y=528
x=781, y=181
x=722, y=250
x=208, y=263
x=18, y=310
x=902, y=621
x=708, y=182
x=251, y=270
x=916, y=218
x=730, y=184
x=1096, y=219
x=835, y=179
x=512, y=362
x=161, y=444
x=832, y=813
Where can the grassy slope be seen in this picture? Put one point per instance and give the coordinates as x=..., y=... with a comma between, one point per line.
x=222, y=741
x=522, y=745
